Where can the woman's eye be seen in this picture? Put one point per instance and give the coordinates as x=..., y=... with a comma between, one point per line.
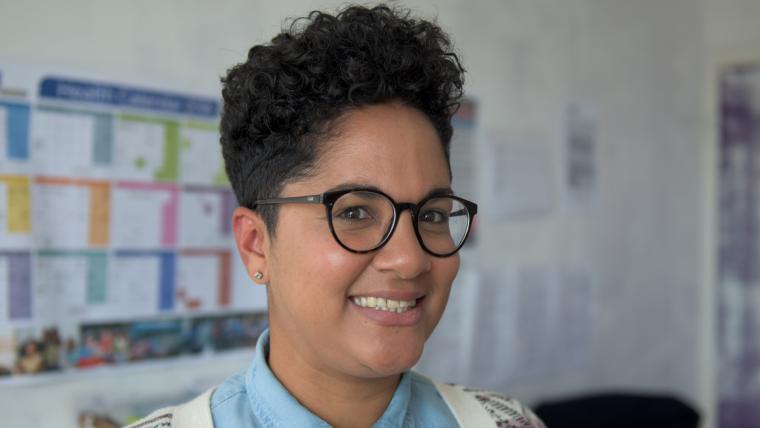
x=434, y=216
x=354, y=213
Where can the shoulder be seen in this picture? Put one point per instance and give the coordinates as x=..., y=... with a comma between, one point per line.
x=232, y=389
x=195, y=413
x=505, y=409
x=481, y=405
x=426, y=406
x=161, y=418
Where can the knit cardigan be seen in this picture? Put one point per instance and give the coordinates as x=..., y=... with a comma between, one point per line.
x=475, y=408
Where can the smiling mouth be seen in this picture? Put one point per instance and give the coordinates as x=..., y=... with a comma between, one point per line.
x=386, y=305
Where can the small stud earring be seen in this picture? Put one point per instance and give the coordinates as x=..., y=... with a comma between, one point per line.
x=258, y=275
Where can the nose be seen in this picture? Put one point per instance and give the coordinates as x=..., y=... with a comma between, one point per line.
x=402, y=254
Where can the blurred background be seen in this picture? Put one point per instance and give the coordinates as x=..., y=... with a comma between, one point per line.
x=612, y=146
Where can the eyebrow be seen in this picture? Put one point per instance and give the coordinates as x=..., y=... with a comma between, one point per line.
x=438, y=191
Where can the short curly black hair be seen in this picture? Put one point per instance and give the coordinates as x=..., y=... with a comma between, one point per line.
x=281, y=102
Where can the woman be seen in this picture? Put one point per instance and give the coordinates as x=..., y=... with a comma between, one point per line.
x=336, y=139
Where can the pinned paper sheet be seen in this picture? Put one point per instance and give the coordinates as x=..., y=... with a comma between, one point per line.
x=447, y=354
x=575, y=315
x=537, y=327
x=580, y=156
x=464, y=152
x=554, y=320
x=495, y=348
x=520, y=179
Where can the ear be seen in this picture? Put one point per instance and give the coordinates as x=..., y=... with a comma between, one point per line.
x=252, y=240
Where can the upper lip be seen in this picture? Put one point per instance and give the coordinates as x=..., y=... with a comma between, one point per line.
x=391, y=294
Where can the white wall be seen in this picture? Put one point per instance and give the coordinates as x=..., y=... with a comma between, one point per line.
x=639, y=65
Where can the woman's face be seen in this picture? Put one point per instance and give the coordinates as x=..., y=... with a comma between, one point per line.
x=313, y=280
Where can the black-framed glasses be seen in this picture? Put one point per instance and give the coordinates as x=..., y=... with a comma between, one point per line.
x=363, y=220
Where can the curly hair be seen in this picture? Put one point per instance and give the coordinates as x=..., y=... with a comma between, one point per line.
x=283, y=100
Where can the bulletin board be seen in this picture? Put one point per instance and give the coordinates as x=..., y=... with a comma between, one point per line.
x=115, y=234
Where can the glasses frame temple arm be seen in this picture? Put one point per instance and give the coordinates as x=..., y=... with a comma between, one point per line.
x=311, y=199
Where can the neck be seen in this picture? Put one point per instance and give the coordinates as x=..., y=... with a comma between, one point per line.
x=338, y=399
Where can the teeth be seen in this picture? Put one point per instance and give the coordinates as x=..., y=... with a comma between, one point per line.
x=386, y=305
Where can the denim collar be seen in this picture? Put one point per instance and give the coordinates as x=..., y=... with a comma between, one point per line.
x=273, y=405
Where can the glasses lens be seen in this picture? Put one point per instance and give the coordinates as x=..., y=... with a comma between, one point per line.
x=361, y=219
x=443, y=223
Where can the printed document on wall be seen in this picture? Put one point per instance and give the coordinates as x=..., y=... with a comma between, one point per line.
x=520, y=177
x=495, y=335
x=463, y=151
x=554, y=319
x=447, y=354
x=580, y=156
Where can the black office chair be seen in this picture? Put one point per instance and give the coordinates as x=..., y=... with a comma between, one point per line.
x=618, y=410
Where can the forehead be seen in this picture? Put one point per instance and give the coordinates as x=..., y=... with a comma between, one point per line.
x=390, y=146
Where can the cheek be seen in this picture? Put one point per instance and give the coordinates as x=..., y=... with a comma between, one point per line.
x=331, y=266
x=446, y=269
x=444, y=272
x=324, y=269
x=341, y=263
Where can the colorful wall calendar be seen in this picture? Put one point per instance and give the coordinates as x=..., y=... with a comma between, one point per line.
x=114, y=209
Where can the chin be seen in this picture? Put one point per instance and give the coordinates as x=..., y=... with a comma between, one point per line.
x=392, y=362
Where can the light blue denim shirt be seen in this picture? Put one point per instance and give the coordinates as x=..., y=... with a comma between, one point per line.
x=255, y=398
